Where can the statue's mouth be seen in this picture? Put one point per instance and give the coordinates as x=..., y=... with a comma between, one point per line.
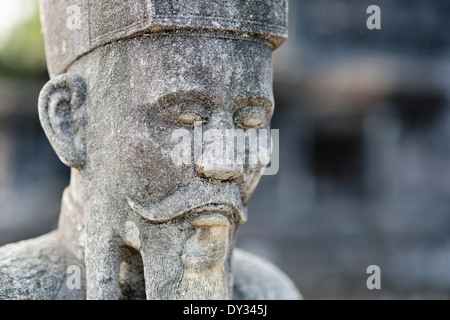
x=226, y=209
x=194, y=199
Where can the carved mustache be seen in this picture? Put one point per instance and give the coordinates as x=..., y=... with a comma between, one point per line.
x=194, y=198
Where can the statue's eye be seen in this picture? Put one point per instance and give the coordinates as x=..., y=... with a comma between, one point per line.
x=252, y=121
x=189, y=118
x=185, y=112
x=251, y=117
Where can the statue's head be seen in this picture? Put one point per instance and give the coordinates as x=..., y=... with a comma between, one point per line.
x=141, y=99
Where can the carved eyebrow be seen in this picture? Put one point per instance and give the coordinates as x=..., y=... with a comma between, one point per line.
x=265, y=102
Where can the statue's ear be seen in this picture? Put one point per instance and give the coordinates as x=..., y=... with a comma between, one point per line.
x=62, y=112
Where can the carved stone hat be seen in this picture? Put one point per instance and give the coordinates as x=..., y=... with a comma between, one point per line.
x=73, y=28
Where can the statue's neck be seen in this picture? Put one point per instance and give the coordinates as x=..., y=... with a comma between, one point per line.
x=71, y=226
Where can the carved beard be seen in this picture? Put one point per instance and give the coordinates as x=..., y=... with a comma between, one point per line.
x=202, y=269
x=204, y=257
x=131, y=257
x=176, y=248
x=197, y=238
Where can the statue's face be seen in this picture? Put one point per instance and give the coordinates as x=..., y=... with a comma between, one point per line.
x=149, y=100
x=147, y=90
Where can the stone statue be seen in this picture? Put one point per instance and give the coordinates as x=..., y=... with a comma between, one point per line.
x=125, y=76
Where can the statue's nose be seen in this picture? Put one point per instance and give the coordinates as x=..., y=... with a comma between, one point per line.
x=218, y=158
x=213, y=167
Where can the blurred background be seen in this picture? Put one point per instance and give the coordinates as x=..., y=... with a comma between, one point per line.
x=364, y=119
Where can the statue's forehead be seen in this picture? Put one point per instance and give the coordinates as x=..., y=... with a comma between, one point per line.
x=217, y=67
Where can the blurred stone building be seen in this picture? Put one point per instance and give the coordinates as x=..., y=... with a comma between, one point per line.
x=364, y=178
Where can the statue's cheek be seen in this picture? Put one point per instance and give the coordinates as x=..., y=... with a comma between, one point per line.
x=147, y=165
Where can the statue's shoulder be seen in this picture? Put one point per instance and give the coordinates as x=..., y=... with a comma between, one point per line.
x=35, y=269
x=258, y=279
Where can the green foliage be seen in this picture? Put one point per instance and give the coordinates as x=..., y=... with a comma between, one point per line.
x=24, y=54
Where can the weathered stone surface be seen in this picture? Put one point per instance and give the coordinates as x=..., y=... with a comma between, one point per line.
x=36, y=269
x=95, y=23
x=135, y=222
